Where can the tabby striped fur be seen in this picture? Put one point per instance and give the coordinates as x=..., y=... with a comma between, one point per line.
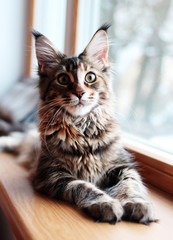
x=82, y=159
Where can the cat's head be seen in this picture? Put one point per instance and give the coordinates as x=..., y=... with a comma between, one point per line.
x=76, y=84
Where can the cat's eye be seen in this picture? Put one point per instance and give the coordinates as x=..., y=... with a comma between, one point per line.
x=63, y=79
x=90, y=77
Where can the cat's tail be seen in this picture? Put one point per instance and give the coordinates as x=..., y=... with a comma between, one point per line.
x=26, y=145
x=29, y=149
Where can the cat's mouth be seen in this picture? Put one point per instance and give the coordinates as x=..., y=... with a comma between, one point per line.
x=79, y=107
x=79, y=103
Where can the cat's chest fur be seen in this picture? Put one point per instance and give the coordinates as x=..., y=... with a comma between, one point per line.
x=84, y=145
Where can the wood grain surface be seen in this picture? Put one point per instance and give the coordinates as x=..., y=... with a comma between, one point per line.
x=32, y=216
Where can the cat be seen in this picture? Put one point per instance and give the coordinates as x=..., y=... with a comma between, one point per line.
x=81, y=158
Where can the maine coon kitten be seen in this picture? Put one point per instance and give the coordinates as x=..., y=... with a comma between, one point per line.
x=82, y=159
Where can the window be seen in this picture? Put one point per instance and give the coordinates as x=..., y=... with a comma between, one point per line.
x=12, y=42
x=49, y=19
x=142, y=52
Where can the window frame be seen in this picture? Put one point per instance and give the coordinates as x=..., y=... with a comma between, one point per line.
x=155, y=166
x=156, y=169
x=30, y=20
x=71, y=27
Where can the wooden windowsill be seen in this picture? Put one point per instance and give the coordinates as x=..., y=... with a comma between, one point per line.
x=32, y=216
x=155, y=166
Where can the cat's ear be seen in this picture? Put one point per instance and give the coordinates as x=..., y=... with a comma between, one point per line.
x=47, y=55
x=97, y=49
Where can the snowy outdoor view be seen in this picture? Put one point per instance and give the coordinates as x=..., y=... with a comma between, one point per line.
x=142, y=52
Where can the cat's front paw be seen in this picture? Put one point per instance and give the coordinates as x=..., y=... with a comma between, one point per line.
x=138, y=211
x=110, y=212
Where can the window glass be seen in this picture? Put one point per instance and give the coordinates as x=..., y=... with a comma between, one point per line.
x=142, y=55
x=50, y=20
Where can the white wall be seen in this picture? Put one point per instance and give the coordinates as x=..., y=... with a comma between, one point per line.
x=12, y=42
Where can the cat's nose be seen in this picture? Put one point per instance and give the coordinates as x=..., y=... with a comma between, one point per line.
x=79, y=94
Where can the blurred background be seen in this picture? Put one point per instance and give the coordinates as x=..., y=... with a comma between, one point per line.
x=141, y=51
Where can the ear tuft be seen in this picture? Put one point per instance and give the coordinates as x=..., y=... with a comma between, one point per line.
x=104, y=27
x=36, y=34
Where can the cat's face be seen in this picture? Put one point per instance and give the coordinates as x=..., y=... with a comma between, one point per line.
x=76, y=84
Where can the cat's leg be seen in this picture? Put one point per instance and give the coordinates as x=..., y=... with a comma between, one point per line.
x=99, y=205
x=61, y=185
x=126, y=185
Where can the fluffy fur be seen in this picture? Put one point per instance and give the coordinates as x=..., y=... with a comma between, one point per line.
x=81, y=158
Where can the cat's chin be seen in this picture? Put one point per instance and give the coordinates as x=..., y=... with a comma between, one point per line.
x=79, y=110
